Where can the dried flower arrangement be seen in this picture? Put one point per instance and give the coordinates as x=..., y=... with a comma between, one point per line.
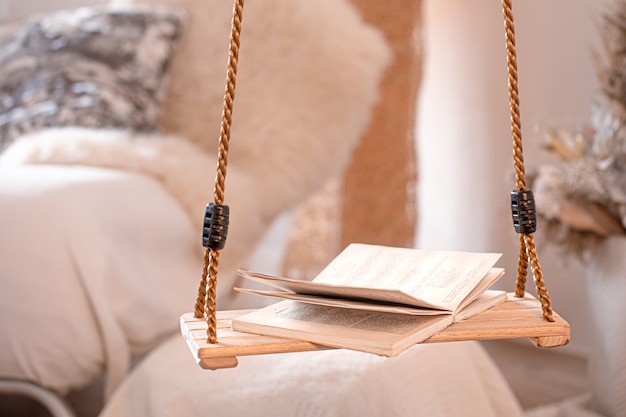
x=582, y=196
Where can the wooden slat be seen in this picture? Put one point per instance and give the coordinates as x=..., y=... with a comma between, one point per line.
x=515, y=318
x=231, y=343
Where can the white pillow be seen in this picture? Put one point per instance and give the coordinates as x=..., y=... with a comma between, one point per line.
x=95, y=265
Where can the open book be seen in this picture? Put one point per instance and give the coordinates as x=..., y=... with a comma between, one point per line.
x=377, y=299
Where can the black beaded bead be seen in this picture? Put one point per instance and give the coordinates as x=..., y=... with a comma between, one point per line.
x=215, y=226
x=523, y=210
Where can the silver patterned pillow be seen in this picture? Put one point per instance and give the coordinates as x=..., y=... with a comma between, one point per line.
x=93, y=67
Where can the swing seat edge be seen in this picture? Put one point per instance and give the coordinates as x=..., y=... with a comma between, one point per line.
x=513, y=319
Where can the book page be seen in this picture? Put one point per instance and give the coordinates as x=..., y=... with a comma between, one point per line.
x=484, y=301
x=336, y=291
x=422, y=278
x=488, y=280
x=368, y=305
x=381, y=333
x=443, y=278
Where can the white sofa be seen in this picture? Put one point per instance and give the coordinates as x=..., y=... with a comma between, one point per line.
x=100, y=221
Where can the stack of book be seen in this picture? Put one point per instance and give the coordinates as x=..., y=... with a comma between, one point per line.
x=376, y=299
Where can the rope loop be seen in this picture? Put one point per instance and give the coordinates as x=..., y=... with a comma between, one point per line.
x=215, y=224
x=522, y=201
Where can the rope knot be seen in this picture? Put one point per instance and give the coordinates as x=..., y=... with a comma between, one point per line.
x=215, y=228
x=523, y=211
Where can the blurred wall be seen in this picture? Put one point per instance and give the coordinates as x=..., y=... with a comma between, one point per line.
x=464, y=141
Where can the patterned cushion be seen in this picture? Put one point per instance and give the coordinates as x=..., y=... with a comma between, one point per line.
x=93, y=67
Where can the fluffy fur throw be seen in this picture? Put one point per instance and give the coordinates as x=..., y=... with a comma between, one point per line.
x=307, y=78
x=309, y=73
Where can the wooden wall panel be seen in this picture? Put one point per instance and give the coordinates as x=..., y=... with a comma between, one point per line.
x=375, y=202
x=379, y=187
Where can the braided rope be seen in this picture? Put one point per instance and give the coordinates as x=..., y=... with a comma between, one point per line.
x=542, y=291
x=528, y=251
x=210, y=309
x=206, y=301
x=522, y=268
x=198, y=311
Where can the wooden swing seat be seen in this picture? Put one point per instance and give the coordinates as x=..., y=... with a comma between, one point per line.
x=514, y=318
